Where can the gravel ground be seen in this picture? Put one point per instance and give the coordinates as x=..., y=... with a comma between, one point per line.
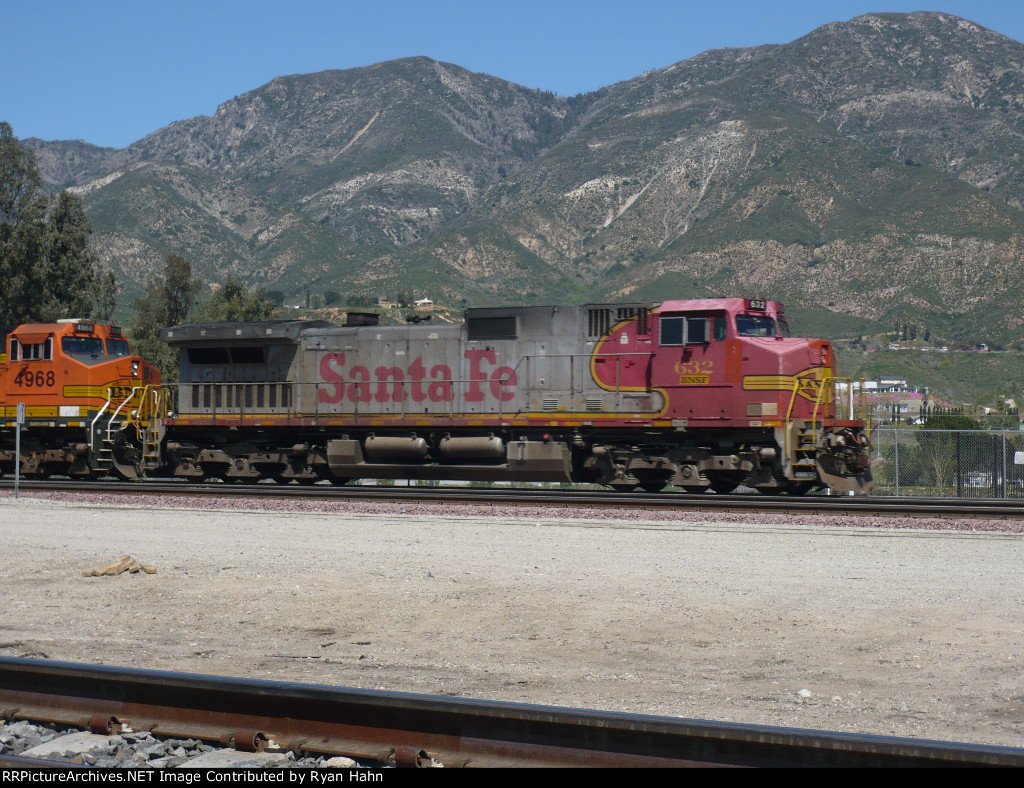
x=872, y=625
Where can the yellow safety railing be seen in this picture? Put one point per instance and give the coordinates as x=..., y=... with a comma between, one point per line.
x=826, y=396
x=150, y=403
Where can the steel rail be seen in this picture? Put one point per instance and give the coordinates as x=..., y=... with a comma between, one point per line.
x=988, y=508
x=399, y=729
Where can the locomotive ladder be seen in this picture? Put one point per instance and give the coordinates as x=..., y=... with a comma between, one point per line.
x=104, y=453
x=805, y=464
x=147, y=418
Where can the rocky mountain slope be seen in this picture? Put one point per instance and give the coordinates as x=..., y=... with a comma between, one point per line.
x=866, y=173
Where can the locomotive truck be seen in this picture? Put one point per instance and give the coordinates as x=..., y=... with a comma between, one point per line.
x=698, y=394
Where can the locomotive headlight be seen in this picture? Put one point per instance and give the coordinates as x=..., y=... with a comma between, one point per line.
x=135, y=368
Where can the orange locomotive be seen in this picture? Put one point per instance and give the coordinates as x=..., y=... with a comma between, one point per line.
x=91, y=406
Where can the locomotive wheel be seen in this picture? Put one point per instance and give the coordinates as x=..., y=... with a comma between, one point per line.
x=652, y=487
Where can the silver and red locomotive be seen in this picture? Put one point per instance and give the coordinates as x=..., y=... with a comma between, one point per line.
x=699, y=394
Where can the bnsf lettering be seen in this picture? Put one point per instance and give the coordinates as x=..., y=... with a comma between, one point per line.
x=398, y=384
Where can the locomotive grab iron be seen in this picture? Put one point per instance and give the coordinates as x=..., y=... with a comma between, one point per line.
x=698, y=394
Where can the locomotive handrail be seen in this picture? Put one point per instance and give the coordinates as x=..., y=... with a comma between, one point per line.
x=787, y=432
x=155, y=410
x=826, y=395
x=96, y=418
x=827, y=383
x=142, y=413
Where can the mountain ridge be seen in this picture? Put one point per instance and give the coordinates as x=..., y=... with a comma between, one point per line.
x=867, y=172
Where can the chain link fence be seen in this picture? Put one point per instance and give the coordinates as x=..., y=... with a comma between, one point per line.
x=948, y=463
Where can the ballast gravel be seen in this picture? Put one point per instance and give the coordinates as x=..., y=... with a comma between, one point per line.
x=140, y=749
x=889, y=626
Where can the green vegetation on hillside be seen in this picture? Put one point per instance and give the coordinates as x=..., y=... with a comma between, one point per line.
x=983, y=379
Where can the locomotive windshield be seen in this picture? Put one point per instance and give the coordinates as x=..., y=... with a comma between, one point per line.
x=118, y=347
x=755, y=326
x=82, y=346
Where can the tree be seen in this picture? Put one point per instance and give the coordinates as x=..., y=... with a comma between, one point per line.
x=231, y=302
x=169, y=301
x=172, y=300
x=23, y=206
x=180, y=290
x=69, y=268
x=46, y=266
x=105, y=301
x=941, y=452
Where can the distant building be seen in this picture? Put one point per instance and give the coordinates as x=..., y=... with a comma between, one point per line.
x=879, y=385
x=423, y=302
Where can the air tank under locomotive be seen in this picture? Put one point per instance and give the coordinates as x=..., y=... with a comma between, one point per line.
x=700, y=394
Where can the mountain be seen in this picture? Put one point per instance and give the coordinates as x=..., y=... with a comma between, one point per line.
x=867, y=173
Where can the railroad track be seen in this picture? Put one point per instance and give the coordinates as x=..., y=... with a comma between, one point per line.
x=987, y=508
x=394, y=729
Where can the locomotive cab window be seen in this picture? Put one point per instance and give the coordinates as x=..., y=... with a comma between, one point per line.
x=41, y=351
x=679, y=330
x=698, y=331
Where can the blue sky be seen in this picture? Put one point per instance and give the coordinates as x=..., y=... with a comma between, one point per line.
x=111, y=71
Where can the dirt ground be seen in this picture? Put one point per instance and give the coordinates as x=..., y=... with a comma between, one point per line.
x=910, y=633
